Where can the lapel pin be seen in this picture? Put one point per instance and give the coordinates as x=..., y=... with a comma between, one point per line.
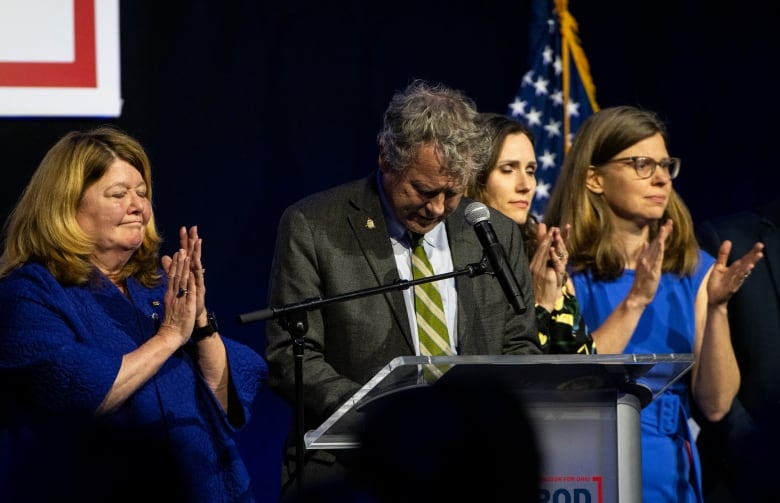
x=370, y=224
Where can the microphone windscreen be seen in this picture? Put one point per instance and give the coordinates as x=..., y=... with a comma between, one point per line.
x=477, y=212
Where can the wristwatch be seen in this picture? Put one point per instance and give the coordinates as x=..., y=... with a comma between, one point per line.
x=210, y=328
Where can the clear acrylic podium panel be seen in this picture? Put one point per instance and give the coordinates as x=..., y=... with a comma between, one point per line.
x=585, y=411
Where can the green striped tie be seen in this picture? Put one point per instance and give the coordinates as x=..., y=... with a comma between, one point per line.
x=431, y=323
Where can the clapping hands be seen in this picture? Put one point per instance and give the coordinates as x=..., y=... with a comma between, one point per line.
x=548, y=265
x=725, y=281
x=185, y=271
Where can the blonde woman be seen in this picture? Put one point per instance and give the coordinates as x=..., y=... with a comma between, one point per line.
x=643, y=284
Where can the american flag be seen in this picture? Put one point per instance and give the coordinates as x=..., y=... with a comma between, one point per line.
x=558, y=79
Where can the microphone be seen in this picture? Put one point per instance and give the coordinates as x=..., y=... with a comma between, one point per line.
x=478, y=216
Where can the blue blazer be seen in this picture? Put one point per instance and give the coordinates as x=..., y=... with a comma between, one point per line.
x=60, y=350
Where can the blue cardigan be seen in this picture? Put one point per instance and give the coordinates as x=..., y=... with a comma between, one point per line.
x=61, y=348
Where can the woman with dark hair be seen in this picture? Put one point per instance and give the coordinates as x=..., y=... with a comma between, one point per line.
x=507, y=182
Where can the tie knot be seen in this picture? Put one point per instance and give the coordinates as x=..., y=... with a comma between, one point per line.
x=415, y=239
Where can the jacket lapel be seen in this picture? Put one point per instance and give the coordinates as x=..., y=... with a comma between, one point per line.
x=368, y=224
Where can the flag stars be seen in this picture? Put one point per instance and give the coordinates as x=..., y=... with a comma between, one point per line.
x=544, y=106
x=540, y=85
x=534, y=117
x=547, y=160
x=543, y=190
x=553, y=128
x=518, y=107
x=557, y=97
x=573, y=109
x=547, y=55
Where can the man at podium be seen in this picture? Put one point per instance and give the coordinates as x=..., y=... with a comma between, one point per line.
x=362, y=235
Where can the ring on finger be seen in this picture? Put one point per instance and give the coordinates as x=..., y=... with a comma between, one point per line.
x=182, y=292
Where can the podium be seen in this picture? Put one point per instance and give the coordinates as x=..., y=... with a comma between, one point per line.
x=585, y=411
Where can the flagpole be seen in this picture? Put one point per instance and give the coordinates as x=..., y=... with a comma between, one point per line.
x=556, y=92
x=562, y=7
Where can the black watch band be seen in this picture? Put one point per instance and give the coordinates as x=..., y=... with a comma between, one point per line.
x=210, y=328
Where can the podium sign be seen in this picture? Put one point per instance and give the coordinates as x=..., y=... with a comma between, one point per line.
x=584, y=408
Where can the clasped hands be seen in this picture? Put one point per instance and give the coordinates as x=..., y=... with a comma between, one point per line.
x=185, y=296
x=548, y=265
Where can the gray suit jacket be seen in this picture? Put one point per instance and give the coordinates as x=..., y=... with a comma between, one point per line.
x=336, y=242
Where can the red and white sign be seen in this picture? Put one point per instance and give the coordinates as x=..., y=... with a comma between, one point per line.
x=572, y=489
x=59, y=58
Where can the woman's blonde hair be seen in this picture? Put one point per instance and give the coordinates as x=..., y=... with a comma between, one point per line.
x=602, y=136
x=42, y=226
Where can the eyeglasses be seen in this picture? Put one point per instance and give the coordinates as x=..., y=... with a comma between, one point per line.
x=645, y=166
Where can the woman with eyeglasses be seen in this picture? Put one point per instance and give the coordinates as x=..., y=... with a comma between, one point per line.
x=645, y=287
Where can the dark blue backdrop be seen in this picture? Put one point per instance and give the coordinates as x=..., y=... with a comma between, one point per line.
x=246, y=106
